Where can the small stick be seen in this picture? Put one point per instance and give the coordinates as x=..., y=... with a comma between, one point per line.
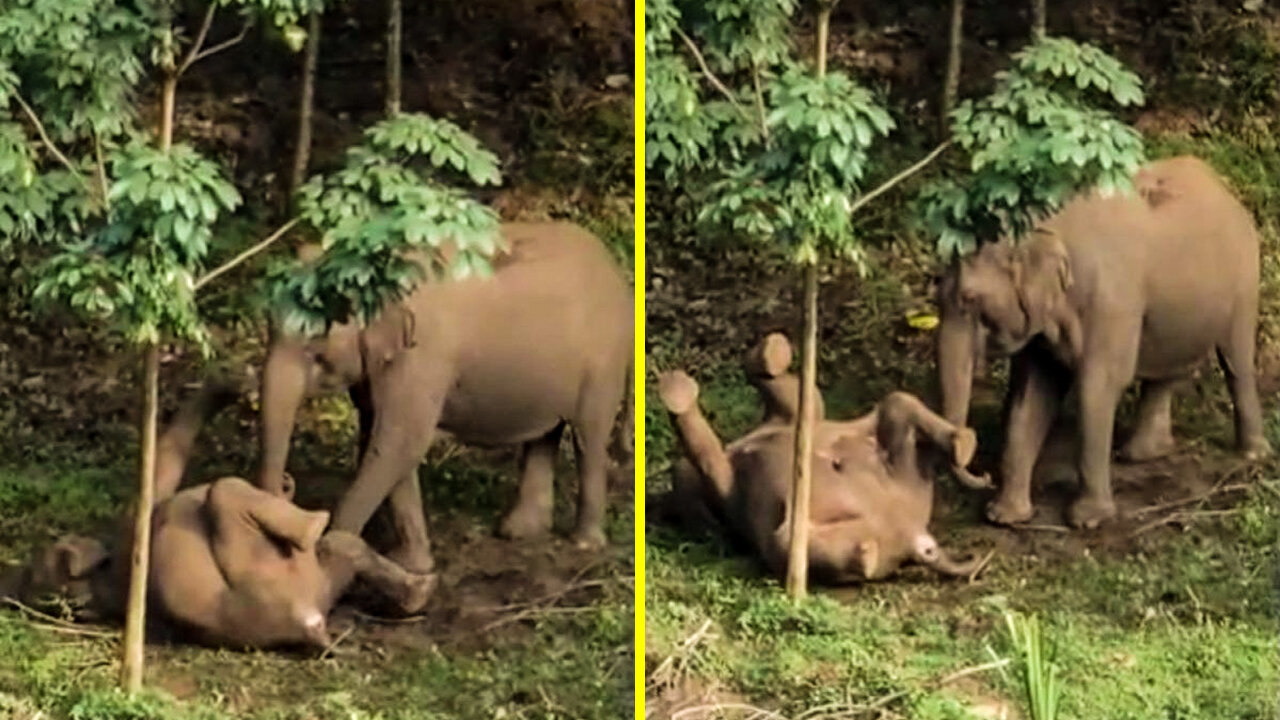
x=982, y=565
x=1215, y=490
x=655, y=677
x=389, y=620
x=1044, y=528
x=1181, y=516
x=756, y=712
x=336, y=641
x=56, y=623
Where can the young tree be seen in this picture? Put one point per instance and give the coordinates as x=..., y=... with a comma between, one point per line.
x=788, y=171
x=955, y=46
x=306, y=103
x=129, y=214
x=395, y=22
x=1039, y=20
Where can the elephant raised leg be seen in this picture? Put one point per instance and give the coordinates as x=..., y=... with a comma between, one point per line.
x=766, y=366
x=1036, y=389
x=345, y=557
x=1153, y=436
x=900, y=416
x=702, y=447
x=532, y=515
x=1236, y=357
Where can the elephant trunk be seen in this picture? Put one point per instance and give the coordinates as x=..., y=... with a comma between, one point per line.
x=284, y=386
x=956, y=348
x=928, y=553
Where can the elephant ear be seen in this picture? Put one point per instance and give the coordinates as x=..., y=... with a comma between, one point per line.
x=393, y=332
x=1041, y=274
x=78, y=556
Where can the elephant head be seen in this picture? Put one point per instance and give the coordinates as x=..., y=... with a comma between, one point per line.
x=75, y=568
x=1004, y=295
x=296, y=368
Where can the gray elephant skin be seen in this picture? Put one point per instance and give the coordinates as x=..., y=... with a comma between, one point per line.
x=1107, y=291
x=871, y=498
x=545, y=343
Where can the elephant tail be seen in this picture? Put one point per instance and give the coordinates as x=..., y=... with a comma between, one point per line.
x=174, y=447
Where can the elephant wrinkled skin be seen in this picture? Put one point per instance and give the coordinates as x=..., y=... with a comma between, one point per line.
x=871, y=498
x=230, y=563
x=1107, y=291
x=546, y=342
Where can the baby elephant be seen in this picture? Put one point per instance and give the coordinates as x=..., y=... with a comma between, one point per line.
x=230, y=563
x=870, y=501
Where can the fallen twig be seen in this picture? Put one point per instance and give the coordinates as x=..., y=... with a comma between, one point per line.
x=755, y=712
x=1045, y=528
x=658, y=677
x=1181, y=517
x=407, y=620
x=52, y=623
x=336, y=641
x=1217, y=489
x=982, y=565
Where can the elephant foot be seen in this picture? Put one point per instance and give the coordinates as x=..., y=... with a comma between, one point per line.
x=413, y=560
x=678, y=392
x=1256, y=449
x=1003, y=511
x=1088, y=512
x=1144, y=448
x=417, y=590
x=522, y=524
x=589, y=538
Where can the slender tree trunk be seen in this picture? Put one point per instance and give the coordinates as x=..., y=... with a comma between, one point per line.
x=394, y=23
x=136, y=614
x=802, y=482
x=1038, y=19
x=306, y=106
x=952, y=85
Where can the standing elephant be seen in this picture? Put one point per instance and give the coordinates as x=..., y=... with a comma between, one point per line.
x=230, y=563
x=544, y=343
x=1108, y=290
x=871, y=498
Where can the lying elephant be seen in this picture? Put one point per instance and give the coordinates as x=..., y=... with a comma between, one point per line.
x=1107, y=291
x=871, y=500
x=230, y=563
x=546, y=342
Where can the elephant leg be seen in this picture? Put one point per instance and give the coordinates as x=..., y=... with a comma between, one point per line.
x=1036, y=390
x=242, y=516
x=901, y=415
x=1100, y=391
x=408, y=409
x=531, y=517
x=679, y=394
x=591, y=433
x=345, y=557
x=1153, y=436
x=403, y=509
x=1236, y=357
